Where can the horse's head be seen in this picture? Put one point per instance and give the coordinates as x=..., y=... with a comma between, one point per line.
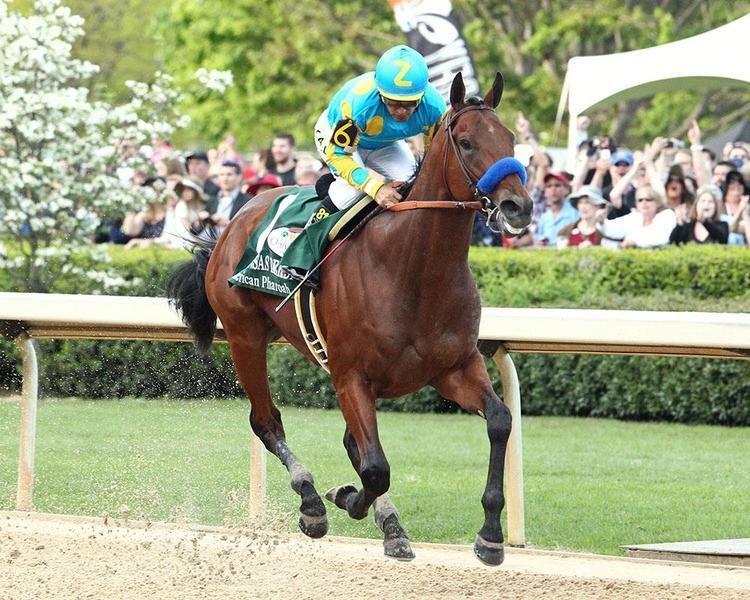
x=478, y=158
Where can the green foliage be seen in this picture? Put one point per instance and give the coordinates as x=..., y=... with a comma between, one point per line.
x=532, y=42
x=287, y=58
x=638, y=388
x=576, y=279
x=119, y=38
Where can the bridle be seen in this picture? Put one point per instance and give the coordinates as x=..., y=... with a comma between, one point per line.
x=486, y=206
x=481, y=201
x=471, y=180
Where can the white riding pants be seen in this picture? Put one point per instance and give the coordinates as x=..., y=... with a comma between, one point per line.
x=394, y=162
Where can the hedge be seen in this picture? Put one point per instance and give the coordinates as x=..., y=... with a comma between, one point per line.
x=639, y=388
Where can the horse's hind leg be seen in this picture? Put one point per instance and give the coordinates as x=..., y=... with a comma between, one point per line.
x=470, y=388
x=248, y=349
x=396, y=542
x=357, y=404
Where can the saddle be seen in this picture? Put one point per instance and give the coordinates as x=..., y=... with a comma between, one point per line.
x=282, y=242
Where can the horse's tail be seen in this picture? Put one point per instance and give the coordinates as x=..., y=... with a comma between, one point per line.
x=186, y=290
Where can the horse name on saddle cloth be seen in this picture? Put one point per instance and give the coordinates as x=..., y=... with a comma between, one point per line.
x=281, y=240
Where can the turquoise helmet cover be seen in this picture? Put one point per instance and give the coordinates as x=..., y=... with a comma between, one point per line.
x=401, y=74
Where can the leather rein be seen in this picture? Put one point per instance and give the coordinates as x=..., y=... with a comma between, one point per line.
x=481, y=202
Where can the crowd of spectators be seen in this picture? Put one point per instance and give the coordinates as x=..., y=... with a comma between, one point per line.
x=669, y=192
x=190, y=193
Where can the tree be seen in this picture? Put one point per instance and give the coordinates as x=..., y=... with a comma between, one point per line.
x=119, y=39
x=289, y=56
x=533, y=41
x=59, y=151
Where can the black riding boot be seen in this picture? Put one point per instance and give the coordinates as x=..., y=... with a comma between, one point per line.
x=325, y=209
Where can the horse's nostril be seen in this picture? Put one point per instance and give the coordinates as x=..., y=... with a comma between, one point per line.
x=510, y=209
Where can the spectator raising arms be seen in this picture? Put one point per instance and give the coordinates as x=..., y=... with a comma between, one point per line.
x=700, y=161
x=704, y=225
x=648, y=227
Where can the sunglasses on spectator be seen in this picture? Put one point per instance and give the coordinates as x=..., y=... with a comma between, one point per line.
x=645, y=199
x=621, y=164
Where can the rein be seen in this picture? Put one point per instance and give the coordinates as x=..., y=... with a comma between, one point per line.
x=415, y=204
x=481, y=203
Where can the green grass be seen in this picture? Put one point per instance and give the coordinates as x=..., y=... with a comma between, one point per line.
x=590, y=484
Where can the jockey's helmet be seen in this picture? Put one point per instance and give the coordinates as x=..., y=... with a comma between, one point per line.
x=401, y=74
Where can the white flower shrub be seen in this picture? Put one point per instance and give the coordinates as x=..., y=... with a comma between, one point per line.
x=60, y=151
x=214, y=80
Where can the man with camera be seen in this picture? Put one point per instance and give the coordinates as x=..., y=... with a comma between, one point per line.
x=594, y=162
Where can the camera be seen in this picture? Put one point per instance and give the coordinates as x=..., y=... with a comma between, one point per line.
x=602, y=144
x=674, y=143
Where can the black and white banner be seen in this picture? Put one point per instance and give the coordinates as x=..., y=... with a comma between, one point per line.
x=433, y=30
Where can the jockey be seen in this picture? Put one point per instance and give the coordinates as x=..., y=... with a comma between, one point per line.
x=361, y=134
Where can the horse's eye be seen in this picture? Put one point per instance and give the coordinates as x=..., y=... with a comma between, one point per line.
x=465, y=144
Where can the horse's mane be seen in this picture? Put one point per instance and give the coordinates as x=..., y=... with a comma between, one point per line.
x=405, y=188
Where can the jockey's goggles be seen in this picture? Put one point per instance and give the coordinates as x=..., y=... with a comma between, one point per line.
x=406, y=104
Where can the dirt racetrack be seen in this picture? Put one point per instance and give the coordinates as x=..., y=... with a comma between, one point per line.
x=52, y=556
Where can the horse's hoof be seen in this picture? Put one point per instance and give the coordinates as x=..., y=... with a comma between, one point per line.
x=490, y=553
x=398, y=548
x=314, y=527
x=339, y=494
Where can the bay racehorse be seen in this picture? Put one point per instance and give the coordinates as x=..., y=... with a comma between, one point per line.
x=398, y=308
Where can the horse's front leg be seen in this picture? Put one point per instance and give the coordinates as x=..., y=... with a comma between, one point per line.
x=469, y=386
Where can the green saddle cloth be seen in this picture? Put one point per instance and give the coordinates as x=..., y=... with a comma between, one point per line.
x=281, y=240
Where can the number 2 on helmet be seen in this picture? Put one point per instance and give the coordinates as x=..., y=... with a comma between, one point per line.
x=399, y=79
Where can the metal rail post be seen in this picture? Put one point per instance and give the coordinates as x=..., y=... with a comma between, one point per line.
x=257, y=478
x=514, y=453
x=27, y=436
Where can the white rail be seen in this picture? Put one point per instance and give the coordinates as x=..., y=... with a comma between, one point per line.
x=502, y=330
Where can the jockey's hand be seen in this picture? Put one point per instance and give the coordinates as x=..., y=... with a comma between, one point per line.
x=387, y=195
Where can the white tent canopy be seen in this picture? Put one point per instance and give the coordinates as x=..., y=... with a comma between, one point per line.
x=713, y=59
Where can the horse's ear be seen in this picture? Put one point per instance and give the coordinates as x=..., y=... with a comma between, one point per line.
x=458, y=91
x=493, y=96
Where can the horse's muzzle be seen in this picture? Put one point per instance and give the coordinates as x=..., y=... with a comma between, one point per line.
x=514, y=215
